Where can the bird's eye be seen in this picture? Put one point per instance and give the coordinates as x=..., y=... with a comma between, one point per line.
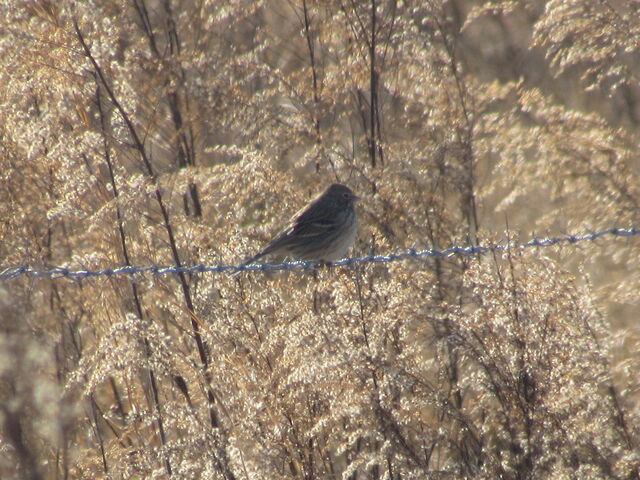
x=345, y=195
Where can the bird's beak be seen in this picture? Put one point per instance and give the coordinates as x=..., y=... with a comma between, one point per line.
x=355, y=197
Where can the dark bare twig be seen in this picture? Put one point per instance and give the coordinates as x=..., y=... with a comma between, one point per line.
x=134, y=288
x=140, y=148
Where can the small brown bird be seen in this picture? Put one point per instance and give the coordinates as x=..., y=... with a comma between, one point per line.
x=323, y=230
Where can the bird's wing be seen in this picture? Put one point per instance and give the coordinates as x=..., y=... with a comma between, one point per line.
x=311, y=220
x=308, y=222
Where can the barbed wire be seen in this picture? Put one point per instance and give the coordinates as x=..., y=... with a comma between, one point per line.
x=470, y=250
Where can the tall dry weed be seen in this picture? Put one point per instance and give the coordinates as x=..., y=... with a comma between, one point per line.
x=182, y=132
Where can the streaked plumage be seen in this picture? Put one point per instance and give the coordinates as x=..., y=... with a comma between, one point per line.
x=323, y=230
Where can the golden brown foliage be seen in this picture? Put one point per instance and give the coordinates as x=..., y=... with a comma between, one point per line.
x=180, y=131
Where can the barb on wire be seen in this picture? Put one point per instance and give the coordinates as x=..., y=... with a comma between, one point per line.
x=57, y=272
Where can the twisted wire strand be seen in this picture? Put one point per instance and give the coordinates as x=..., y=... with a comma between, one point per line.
x=470, y=250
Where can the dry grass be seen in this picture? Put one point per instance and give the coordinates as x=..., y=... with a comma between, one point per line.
x=175, y=131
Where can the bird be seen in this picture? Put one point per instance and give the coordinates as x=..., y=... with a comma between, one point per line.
x=323, y=230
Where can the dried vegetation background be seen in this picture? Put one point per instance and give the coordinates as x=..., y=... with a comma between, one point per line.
x=167, y=131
